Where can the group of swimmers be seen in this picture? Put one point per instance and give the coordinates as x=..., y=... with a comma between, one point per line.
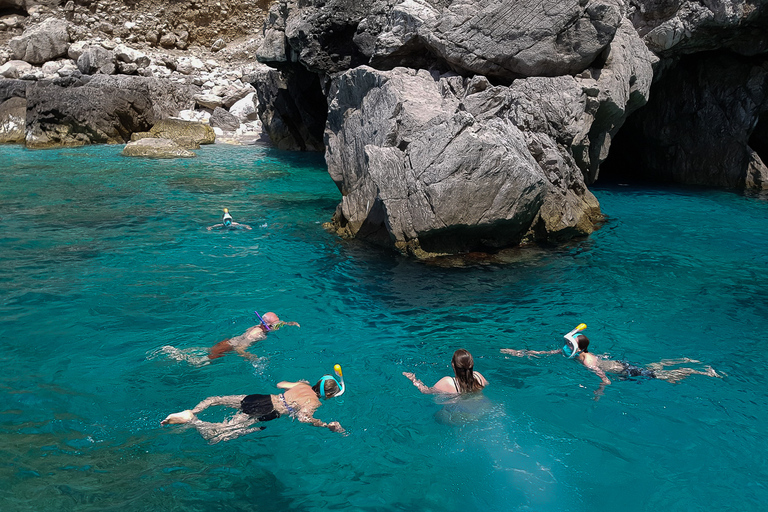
x=300, y=400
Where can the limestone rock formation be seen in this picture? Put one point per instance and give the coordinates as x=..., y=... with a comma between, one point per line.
x=156, y=148
x=41, y=43
x=221, y=118
x=552, y=82
x=13, y=119
x=103, y=110
x=183, y=131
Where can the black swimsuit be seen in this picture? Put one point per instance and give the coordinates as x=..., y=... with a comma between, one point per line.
x=259, y=406
x=631, y=370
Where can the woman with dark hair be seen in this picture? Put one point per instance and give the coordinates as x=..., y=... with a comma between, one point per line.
x=300, y=400
x=466, y=380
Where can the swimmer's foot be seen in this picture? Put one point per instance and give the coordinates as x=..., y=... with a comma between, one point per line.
x=178, y=417
x=712, y=373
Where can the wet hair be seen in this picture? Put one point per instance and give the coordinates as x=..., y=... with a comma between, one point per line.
x=331, y=388
x=583, y=343
x=463, y=367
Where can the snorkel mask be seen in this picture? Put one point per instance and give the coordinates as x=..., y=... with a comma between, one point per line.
x=226, y=219
x=265, y=324
x=340, y=383
x=571, y=346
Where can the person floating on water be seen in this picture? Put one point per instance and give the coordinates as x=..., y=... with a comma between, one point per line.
x=300, y=401
x=228, y=223
x=466, y=380
x=577, y=346
x=267, y=323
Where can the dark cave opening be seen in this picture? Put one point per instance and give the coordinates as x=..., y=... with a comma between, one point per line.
x=625, y=163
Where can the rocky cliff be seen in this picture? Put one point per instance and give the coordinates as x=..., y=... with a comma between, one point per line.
x=449, y=126
x=477, y=124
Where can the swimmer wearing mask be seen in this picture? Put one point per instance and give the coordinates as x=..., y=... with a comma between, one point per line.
x=465, y=379
x=577, y=347
x=228, y=223
x=299, y=400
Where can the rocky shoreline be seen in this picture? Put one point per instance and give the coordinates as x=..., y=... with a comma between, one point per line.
x=101, y=72
x=449, y=126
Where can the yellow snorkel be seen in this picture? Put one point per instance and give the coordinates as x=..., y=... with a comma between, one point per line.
x=571, y=343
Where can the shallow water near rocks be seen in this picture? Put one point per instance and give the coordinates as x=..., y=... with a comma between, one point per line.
x=105, y=259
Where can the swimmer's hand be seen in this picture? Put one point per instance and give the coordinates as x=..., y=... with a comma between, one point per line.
x=334, y=426
x=416, y=382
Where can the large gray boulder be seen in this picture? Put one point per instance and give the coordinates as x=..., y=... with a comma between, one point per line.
x=509, y=39
x=437, y=165
x=105, y=110
x=221, y=118
x=97, y=59
x=156, y=148
x=40, y=43
x=184, y=132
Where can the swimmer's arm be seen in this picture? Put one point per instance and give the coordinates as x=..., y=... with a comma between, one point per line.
x=444, y=385
x=284, y=384
x=215, y=226
x=283, y=324
x=483, y=380
x=242, y=353
x=529, y=353
x=333, y=426
x=600, y=373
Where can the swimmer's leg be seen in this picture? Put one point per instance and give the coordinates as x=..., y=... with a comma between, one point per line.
x=670, y=362
x=679, y=374
x=189, y=355
x=227, y=400
x=238, y=425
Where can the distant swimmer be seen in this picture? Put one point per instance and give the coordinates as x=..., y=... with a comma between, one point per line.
x=465, y=379
x=577, y=346
x=267, y=323
x=228, y=223
x=300, y=401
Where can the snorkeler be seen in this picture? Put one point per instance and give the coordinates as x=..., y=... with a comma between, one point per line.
x=577, y=346
x=466, y=380
x=300, y=401
x=198, y=356
x=268, y=322
x=228, y=223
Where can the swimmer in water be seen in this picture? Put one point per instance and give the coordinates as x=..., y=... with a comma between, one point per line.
x=465, y=379
x=300, y=401
x=623, y=369
x=228, y=223
x=269, y=322
x=197, y=356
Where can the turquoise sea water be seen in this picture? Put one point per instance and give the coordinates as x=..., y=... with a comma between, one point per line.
x=104, y=260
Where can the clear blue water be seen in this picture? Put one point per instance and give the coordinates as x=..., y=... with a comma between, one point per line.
x=104, y=259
